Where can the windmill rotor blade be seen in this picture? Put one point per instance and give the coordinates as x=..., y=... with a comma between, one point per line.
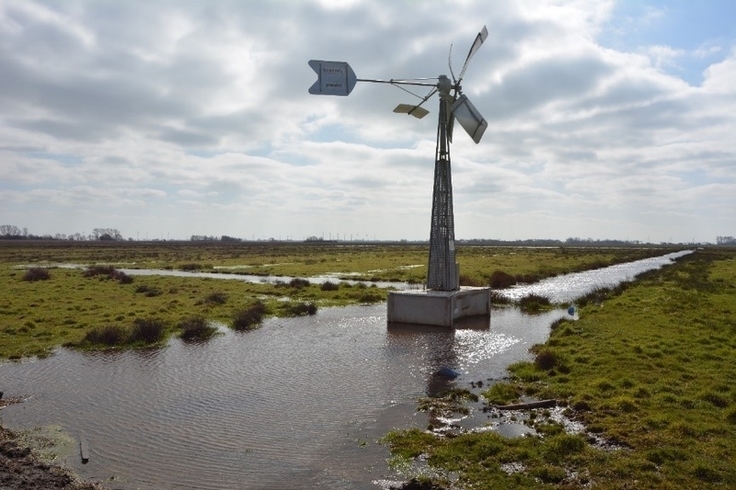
x=449, y=63
x=450, y=117
x=416, y=110
x=412, y=110
x=469, y=118
x=450, y=125
x=482, y=35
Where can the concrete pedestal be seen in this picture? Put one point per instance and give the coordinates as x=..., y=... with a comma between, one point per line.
x=439, y=308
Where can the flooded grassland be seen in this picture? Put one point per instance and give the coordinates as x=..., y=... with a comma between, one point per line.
x=302, y=401
x=65, y=304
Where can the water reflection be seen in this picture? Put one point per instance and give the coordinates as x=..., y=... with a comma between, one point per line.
x=435, y=347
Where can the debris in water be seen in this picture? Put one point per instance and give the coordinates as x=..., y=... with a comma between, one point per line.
x=450, y=373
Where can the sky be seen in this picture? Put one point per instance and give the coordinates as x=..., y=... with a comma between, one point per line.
x=171, y=118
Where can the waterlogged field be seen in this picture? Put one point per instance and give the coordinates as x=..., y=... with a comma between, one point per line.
x=647, y=370
x=94, y=306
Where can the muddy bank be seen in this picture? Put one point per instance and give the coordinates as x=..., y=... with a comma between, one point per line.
x=20, y=469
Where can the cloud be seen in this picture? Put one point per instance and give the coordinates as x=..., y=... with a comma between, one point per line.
x=143, y=109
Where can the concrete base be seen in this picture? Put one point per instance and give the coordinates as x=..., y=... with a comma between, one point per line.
x=439, y=308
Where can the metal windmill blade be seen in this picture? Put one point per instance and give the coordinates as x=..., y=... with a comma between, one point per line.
x=469, y=117
x=415, y=110
x=482, y=35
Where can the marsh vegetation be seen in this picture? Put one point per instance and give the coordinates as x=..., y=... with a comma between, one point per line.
x=647, y=370
x=47, y=305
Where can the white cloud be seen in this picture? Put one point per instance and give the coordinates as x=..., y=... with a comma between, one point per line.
x=663, y=56
x=719, y=77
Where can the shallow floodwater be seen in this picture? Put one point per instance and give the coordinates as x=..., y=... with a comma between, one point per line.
x=298, y=403
x=335, y=278
x=569, y=287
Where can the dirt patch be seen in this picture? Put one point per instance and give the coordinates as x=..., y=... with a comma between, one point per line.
x=20, y=469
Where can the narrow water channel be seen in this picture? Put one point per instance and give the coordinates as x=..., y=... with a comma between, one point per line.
x=298, y=403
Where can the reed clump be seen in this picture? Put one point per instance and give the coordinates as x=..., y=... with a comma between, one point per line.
x=148, y=291
x=147, y=331
x=143, y=331
x=249, y=318
x=216, y=298
x=534, y=303
x=196, y=328
x=329, y=286
x=37, y=274
x=299, y=308
x=298, y=283
x=107, y=272
x=501, y=280
x=109, y=335
x=194, y=266
x=498, y=299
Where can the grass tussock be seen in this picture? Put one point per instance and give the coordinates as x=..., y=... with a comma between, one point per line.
x=107, y=272
x=196, y=328
x=249, y=318
x=194, y=266
x=37, y=274
x=472, y=281
x=498, y=299
x=109, y=335
x=216, y=298
x=502, y=393
x=501, y=280
x=148, y=290
x=147, y=331
x=298, y=283
x=534, y=303
x=329, y=286
x=299, y=308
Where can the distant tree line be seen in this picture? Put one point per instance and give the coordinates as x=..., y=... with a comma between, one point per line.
x=569, y=242
x=213, y=238
x=12, y=232
x=542, y=242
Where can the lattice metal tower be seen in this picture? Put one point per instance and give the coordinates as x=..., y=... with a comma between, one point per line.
x=442, y=274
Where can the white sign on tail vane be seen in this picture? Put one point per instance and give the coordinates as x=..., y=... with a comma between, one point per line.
x=333, y=78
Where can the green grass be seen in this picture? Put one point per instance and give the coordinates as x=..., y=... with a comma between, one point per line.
x=38, y=315
x=649, y=367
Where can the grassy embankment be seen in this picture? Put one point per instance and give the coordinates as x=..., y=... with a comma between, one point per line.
x=97, y=306
x=649, y=368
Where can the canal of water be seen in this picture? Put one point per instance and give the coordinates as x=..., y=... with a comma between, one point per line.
x=299, y=403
